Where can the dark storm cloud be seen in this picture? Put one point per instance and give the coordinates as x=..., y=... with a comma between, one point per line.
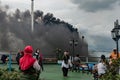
x=95, y=5
x=99, y=42
x=102, y=43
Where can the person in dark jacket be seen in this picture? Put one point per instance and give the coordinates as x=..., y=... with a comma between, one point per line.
x=19, y=55
x=3, y=58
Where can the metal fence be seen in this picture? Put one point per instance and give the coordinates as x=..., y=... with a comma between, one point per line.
x=47, y=60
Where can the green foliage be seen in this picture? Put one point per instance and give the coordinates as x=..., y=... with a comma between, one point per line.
x=6, y=75
x=112, y=71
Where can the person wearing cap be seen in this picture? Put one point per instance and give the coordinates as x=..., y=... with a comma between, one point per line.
x=28, y=65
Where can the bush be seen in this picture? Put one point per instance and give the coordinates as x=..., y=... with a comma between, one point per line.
x=113, y=71
x=13, y=75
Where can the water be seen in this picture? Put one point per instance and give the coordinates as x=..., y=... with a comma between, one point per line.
x=98, y=54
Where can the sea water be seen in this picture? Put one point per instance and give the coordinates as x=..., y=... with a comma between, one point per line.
x=98, y=54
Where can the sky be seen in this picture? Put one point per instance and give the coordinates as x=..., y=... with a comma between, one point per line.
x=94, y=19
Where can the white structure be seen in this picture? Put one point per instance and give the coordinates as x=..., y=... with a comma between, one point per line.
x=32, y=15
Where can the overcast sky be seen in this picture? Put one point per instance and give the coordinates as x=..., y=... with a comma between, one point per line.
x=93, y=18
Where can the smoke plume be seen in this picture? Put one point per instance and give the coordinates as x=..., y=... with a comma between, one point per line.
x=49, y=32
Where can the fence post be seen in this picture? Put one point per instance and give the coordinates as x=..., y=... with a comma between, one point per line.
x=10, y=61
x=86, y=59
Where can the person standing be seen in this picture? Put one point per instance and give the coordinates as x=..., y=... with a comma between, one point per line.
x=28, y=65
x=65, y=64
x=113, y=54
x=19, y=55
x=4, y=58
x=102, y=66
x=76, y=63
x=39, y=56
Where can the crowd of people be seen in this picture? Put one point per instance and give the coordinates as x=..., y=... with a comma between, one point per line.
x=98, y=70
x=104, y=64
x=31, y=63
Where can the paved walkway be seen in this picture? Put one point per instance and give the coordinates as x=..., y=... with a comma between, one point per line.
x=53, y=72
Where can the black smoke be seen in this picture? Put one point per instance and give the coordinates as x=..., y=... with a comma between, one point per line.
x=50, y=33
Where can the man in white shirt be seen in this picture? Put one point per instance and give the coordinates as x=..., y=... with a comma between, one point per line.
x=101, y=68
